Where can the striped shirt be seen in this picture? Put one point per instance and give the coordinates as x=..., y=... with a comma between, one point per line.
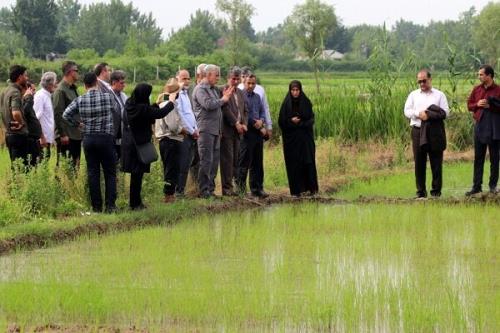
x=96, y=111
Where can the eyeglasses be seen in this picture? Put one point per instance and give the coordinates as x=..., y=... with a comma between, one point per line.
x=424, y=81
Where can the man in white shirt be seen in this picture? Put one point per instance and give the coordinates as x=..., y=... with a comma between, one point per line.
x=426, y=108
x=44, y=111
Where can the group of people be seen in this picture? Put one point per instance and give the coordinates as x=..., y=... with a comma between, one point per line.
x=197, y=125
x=427, y=107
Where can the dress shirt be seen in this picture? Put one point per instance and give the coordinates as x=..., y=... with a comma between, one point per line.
x=419, y=100
x=45, y=113
x=96, y=111
x=186, y=112
x=255, y=108
x=259, y=90
x=481, y=92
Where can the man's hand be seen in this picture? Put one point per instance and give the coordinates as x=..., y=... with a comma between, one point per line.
x=245, y=128
x=483, y=103
x=295, y=120
x=64, y=140
x=269, y=133
x=227, y=93
x=258, y=124
x=43, y=141
x=172, y=98
x=196, y=135
x=239, y=128
x=423, y=115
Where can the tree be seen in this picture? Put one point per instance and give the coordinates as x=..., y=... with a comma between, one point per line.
x=104, y=27
x=6, y=19
x=487, y=32
x=309, y=25
x=68, y=15
x=37, y=21
x=200, y=36
x=363, y=40
x=239, y=13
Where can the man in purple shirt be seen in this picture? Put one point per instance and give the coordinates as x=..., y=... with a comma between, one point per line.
x=252, y=147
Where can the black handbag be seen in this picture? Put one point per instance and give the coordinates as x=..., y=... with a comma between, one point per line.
x=146, y=152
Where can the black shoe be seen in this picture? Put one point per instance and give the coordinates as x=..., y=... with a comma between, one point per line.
x=139, y=207
x=472, y=192
x=110, y=210
x=206, y=195
x=97, y=209
x=229, y=194
x=260, y=194
x=435, y=194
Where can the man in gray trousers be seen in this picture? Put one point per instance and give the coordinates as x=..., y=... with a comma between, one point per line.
x=207, y=102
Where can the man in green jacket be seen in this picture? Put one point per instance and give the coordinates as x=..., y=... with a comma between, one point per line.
x=68, y=138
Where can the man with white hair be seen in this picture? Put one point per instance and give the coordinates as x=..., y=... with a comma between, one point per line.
x=207, y=102
x=45, y=111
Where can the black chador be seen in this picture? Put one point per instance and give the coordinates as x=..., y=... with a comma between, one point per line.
x=296, y=121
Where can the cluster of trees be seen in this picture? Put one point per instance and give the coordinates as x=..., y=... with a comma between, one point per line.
x=34, y=28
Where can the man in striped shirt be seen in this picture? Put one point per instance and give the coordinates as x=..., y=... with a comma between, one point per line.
x=96, y=113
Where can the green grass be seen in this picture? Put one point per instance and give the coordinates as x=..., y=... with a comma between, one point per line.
x=457, y=179
x=309, y=267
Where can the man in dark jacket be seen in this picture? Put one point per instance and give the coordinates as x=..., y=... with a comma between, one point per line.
x=486, y=130
x=235, y=114
x=68, y=138
x=35, y=133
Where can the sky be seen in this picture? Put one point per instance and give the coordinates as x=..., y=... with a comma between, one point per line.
x=268, y=13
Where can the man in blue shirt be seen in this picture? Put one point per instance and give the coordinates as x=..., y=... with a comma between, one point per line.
x=188, y=147
x=252, y=147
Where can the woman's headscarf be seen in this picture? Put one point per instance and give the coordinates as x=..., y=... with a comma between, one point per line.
x=301, y=104
x=295, y=84
x=138, y=101
x=141, y=94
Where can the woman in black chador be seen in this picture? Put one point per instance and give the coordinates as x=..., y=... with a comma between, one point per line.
x=296, y=122
x=138, y=119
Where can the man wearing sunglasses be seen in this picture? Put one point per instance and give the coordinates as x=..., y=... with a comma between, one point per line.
x=426, y=108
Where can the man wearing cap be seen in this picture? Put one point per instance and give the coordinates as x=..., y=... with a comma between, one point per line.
x=170, y=132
